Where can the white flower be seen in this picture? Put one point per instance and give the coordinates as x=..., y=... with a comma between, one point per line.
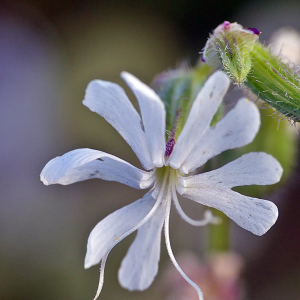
x=167, y=168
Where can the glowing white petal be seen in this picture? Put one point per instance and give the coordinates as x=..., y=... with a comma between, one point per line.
x=140, y=265
x=83, y=164
x=110, y=229
x=197, y=143
x=160, y=197
x=252, y=214
x=238, y=128
x=153, y=115
x=256, y=168
x=199, y=119
x=110, y=101
x=208, y=216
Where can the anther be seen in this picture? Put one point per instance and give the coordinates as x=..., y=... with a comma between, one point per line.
x=169, y=147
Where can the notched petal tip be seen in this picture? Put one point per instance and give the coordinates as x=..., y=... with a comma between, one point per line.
x=43, y=177
x=278, y=169
x=180, y=187
x=44, y=180
x=258, y=218
x=271, y=216
x=91, y=90
x=273, y=164
x=47, y=175
x=135, y=84
x=126, y=75
x=88, y=256
x=250, y=103
x=221, y=78
x=87, y=264
x=87, y=261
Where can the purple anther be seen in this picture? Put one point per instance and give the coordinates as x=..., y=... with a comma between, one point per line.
x=203, y=59
x=169, y=147
x=254, y=30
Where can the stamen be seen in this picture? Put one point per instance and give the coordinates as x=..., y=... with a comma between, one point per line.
x=171, y=255
x=171, y=142
x=255, y=31
x=169, y=147
x=128, y=232
x=209, y=218
x=101, y=279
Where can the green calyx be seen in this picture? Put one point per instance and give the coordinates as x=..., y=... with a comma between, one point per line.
x=229, y=48
x=246, y=61
x=178, y=90
x=274, y=82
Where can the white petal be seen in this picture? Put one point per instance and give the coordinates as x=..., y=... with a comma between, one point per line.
x=83, y=164
x=199, y=119
x=140, y=265
x=252, y=214
x=252, y=168
x=111, y=228
x=238, y=128
x=153, y=115
x=110, y=101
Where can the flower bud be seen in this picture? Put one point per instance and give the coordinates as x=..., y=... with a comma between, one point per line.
x=245, y=60
x=229, y=48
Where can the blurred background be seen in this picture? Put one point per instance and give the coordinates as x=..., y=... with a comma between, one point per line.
x=49, y=51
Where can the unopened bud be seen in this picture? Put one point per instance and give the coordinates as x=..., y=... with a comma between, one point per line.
x=229, y=48
x=238, y=52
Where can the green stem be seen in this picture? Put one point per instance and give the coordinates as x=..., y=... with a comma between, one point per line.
x=274, y=82
x=218, y=235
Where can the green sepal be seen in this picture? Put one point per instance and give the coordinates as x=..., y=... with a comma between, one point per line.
x=279, y=141
x=275, y=82
x=246, y=61
x=178, y=90
x=218, y=235
x=229, y=48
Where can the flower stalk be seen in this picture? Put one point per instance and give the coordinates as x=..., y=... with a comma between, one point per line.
x=218, y=236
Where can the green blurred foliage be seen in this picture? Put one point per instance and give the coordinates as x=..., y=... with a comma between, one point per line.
x=278, y=138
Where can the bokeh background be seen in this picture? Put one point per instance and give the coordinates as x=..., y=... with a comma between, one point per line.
x=49, y=51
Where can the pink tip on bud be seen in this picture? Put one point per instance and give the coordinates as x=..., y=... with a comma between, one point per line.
x=226, y=25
